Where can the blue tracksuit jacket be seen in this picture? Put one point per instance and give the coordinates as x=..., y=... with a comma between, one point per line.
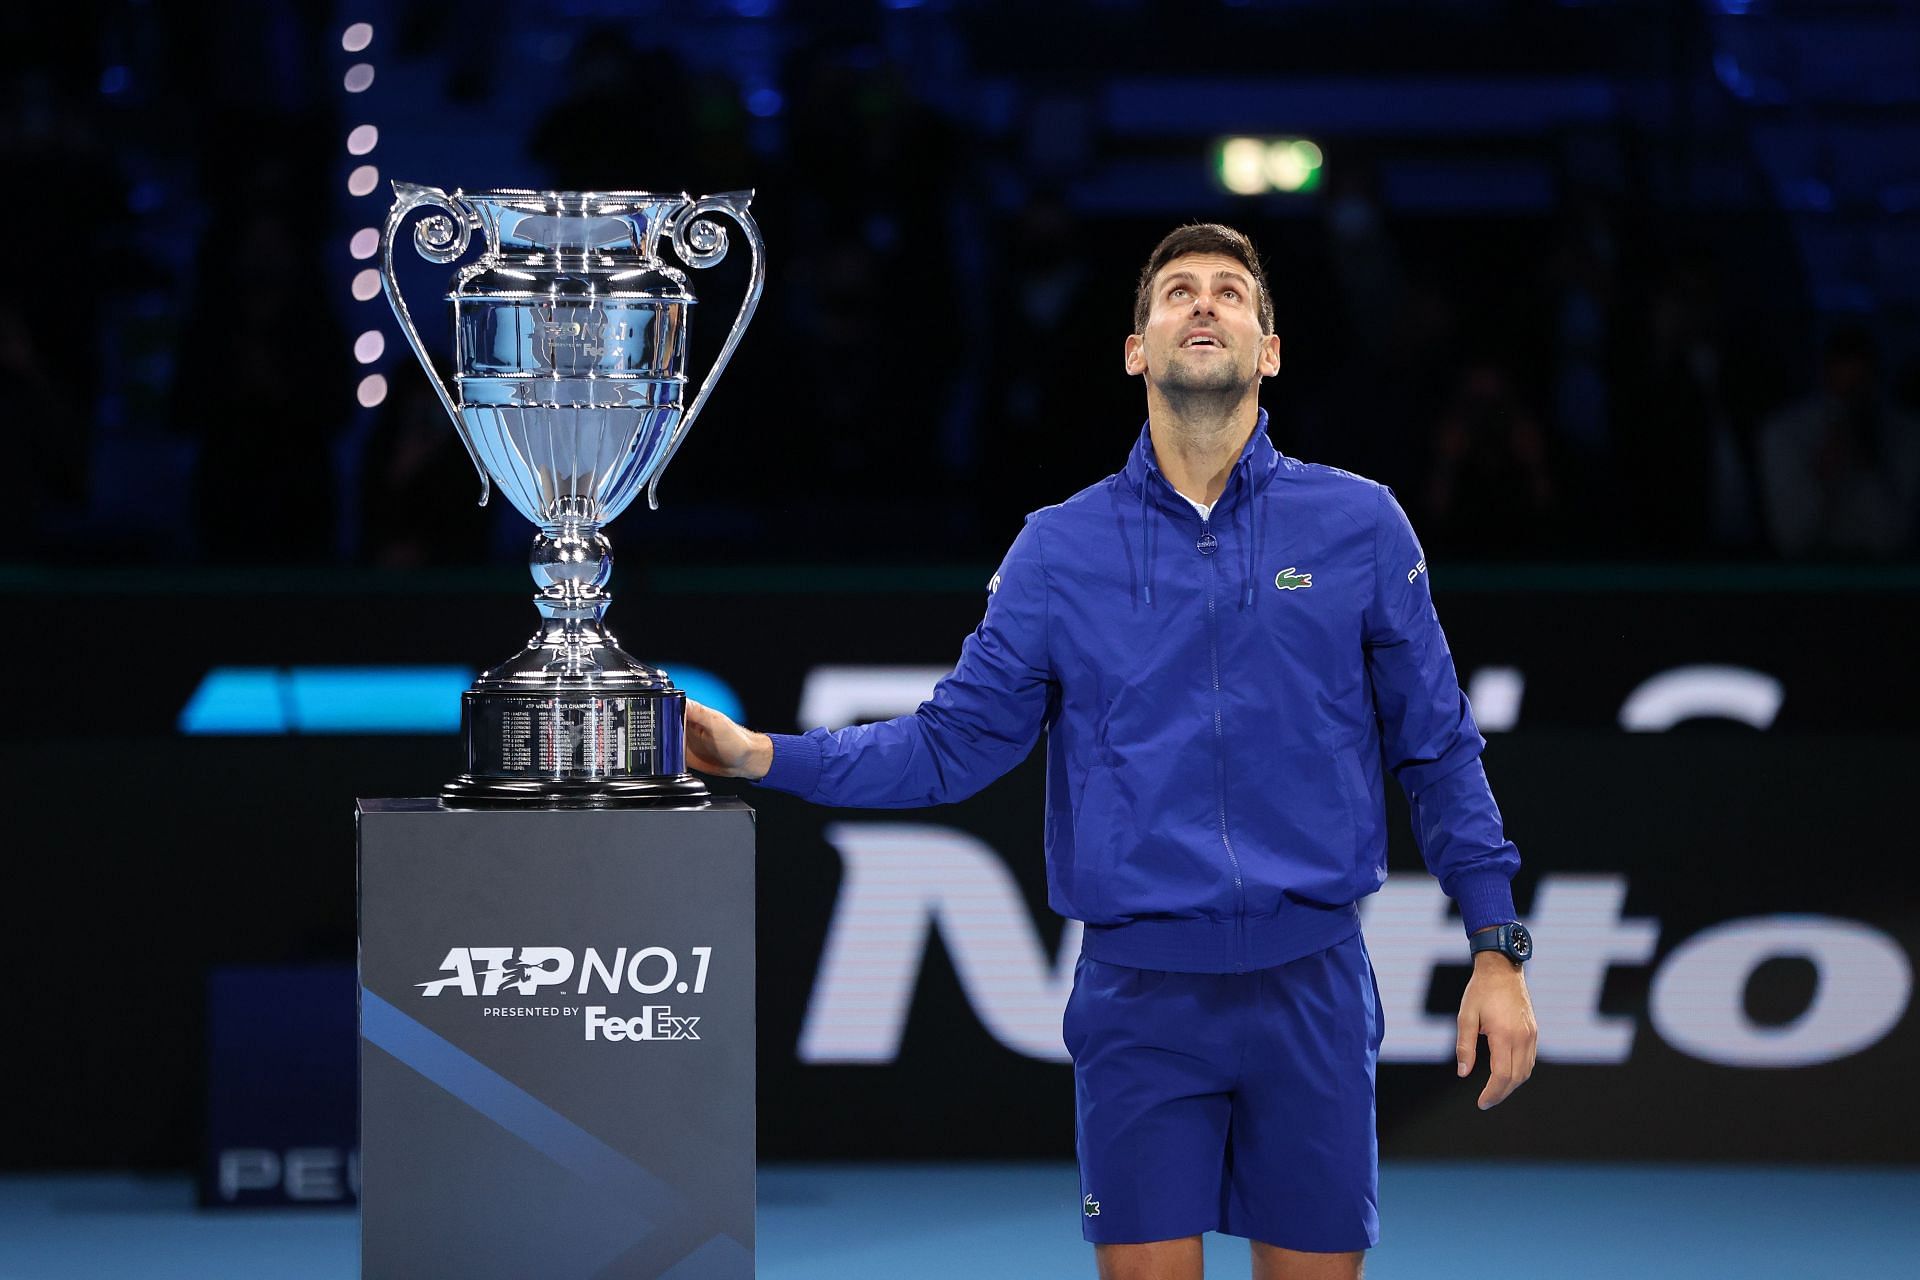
x=1218, y=696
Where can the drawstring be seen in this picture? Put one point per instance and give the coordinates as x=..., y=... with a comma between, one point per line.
x=1253, y=546
x=1146, y=549
x=1250, y=554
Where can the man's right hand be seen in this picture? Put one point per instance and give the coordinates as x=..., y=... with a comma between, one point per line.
x=718, y=746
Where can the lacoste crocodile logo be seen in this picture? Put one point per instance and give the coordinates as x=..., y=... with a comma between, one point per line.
x=1291, y=579
x=1092, y=1207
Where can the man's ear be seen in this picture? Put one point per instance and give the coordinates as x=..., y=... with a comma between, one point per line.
x=1270, y=355
x=1136, y=354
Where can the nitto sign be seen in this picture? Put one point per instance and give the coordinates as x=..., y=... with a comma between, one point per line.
x=904, y=881
x=901, y=882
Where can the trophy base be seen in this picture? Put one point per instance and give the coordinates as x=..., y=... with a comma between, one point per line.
x=573, y=721
x=469, y=791
x=565, y=743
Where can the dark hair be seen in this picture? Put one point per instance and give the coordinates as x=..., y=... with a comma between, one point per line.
x=1202, y=237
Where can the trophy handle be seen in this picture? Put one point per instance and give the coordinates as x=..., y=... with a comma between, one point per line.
x=700, y=242
x=439, y=238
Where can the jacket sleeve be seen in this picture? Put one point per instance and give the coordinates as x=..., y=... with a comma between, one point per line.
x=982, y=719
x=1432, y=744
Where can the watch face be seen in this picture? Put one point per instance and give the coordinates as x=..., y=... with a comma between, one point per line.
x=1521, y=942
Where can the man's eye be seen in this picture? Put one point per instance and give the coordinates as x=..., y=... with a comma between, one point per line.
x=1230, y=293
x=1175, y=292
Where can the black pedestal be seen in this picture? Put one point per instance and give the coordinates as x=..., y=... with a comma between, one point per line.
x=557, y=1042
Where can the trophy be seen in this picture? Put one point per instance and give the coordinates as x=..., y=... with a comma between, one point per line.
x=570, y=353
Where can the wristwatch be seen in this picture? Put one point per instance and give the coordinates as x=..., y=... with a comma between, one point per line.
x=1511, y=940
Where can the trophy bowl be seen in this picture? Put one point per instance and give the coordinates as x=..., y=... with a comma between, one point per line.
x=568, y=391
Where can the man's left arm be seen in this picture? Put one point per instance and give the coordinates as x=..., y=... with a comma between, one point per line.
x=1433, y=749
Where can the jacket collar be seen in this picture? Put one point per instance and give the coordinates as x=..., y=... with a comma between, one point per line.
x=1257, y=463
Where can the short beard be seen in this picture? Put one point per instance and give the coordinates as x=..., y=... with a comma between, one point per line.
x=1192, y=393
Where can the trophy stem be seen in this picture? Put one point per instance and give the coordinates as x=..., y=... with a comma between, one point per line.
x=571, y=562
x=573, y=719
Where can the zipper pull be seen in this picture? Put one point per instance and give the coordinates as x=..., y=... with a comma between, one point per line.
x=1207, y=544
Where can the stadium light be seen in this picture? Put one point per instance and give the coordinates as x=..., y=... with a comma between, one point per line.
x=1249, y=166
x=1242, y=166
x=364, y=181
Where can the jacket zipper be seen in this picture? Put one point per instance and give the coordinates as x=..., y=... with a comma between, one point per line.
x=1220, y=740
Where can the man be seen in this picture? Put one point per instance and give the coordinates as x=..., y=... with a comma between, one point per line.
x=1840, y=470
x=1220, y=642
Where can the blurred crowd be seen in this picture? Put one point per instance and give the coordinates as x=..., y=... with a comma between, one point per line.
x=1614, y=387
x=939, y=350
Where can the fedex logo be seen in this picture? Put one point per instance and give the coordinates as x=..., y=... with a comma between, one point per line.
x=655, y=1022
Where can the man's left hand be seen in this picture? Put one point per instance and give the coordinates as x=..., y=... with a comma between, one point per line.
x=1496, y=1006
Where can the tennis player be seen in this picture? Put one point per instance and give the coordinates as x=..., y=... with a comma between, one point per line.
x=1223, y=645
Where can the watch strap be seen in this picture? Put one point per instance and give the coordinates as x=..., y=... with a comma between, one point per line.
x=1511, y=940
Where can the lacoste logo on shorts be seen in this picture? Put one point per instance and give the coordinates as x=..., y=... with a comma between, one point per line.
x=1092, y=1207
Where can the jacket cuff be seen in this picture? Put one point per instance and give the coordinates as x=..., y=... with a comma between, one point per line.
x=796, y=764
x=1485, y=898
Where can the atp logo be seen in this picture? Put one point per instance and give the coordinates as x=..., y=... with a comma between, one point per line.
x=1291, y=579
x=495, y=971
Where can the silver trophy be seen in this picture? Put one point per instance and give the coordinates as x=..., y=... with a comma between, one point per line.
x=570, y=354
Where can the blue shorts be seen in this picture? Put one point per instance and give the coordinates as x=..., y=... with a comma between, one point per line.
x=1234, y=1102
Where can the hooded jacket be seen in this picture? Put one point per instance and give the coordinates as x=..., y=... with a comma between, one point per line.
x=1219, y=696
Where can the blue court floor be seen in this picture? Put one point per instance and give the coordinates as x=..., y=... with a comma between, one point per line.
x=1442, y=1221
